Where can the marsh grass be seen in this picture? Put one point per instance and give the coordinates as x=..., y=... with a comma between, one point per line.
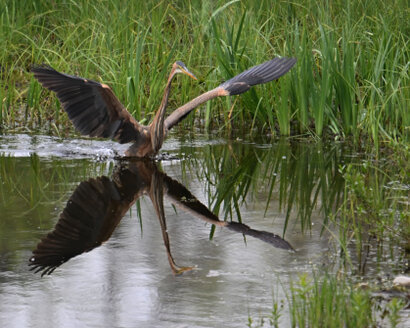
x=351, y=78
x=333, y=301
x=330, y=301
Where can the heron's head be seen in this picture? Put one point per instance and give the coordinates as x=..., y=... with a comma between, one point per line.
x=179, y=67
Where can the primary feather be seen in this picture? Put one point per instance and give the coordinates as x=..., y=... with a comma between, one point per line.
x=92, y=107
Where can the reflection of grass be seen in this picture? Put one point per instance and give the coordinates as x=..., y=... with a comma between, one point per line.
x=365, y=208
x=30, y=188
x=366, y=198
x=302, y=176
x=375, y=214
x=349, y=79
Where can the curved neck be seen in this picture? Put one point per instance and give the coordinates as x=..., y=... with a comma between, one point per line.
x=157, y=125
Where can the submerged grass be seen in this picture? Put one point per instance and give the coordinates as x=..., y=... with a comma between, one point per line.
x=351, y=78
x=364, y=195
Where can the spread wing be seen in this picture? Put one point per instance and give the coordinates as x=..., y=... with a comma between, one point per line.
x=267, y=237
x=92, y=107
x=263, y=73
x=89, y=218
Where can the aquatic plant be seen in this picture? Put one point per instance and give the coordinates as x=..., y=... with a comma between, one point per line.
x=350, y=79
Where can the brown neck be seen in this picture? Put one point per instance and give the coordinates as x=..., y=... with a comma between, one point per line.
x=157, y=126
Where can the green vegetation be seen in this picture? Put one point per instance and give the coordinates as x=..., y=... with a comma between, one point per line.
x=351, y=79
x=332, y=302
x=329, y=303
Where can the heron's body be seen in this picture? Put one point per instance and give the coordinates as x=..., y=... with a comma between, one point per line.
x=96, y=112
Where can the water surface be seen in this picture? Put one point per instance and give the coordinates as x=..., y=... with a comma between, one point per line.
x=121, y=275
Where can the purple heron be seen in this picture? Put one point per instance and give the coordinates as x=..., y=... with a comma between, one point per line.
x=96, y=112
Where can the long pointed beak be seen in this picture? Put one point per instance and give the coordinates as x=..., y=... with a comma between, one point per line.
x=189, y=73
x=183, y=69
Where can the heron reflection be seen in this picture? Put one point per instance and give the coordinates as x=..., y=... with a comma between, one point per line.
x=97, y=205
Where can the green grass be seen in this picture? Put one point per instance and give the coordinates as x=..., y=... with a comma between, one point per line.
x=332, y=301
x=351, y=79
x=329, y=303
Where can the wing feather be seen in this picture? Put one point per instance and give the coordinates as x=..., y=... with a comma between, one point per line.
x=240, y=83
x=263, y=73
x=92, y=107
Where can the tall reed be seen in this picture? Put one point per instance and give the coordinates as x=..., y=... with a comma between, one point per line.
x=351, y=78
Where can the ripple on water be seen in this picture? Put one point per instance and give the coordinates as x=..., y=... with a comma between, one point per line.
x=23, y=145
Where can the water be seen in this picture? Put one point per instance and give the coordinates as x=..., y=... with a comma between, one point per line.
x=115, y=268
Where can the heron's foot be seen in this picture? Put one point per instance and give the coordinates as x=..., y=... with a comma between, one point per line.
x=177, y=270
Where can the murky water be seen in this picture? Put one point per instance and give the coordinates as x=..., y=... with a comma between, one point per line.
x=126, y=229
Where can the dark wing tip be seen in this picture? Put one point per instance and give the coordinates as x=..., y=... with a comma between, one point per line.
x=44, y=72
x=267, y=237
x=263, y=73
x=34, y=68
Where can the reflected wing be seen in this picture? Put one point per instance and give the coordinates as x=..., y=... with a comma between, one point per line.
x=89, y=218
x=92, y=107
x=182, y=198
x=92, y=213
x=265, y=236
x=241, y=83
